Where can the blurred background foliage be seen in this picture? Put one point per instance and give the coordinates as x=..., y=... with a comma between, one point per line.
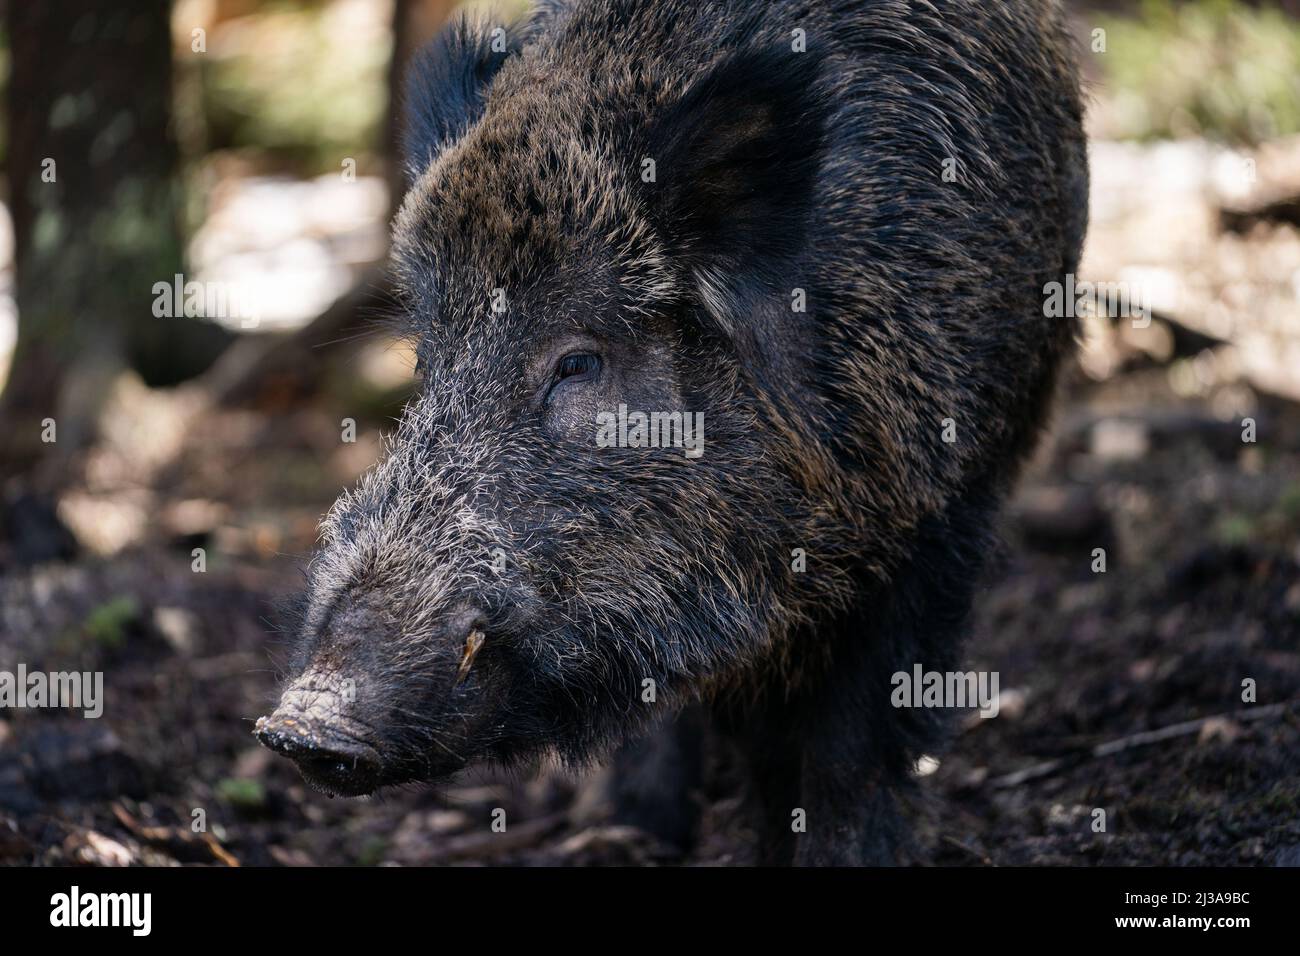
x=300, y=83
x=1214, y=68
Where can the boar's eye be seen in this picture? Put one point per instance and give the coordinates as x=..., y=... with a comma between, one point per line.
x=577, y=366
x=579, y=363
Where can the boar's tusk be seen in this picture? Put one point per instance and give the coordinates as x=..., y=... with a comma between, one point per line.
x=473, y=644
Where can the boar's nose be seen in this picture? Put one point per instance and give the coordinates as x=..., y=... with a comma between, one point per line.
x=344, y=767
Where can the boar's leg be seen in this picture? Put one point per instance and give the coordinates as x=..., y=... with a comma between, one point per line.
x=849, y=777
x=653, y=783
x=821, y=797
x=835, y=747
x=775, y=760
x=859, y=751
x=656, y=780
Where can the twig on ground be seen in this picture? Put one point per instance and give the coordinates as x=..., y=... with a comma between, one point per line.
x=1184, y=729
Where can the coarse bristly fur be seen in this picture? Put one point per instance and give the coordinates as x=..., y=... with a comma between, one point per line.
x=533, y=230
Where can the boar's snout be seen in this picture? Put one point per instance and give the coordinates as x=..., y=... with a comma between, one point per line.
x=312, y=726
x=348, y=768
x=347, y=719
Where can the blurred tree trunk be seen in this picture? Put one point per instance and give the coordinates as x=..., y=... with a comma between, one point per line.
x=415, y=23
x=95, y=199
x=403, y=47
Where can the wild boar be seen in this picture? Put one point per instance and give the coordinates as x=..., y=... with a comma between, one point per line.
x=816, y=232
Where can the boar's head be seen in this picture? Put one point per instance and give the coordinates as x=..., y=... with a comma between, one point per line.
x=579, y=236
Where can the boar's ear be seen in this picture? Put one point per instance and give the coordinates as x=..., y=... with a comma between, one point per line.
x=737, y=157
x=448, y=80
